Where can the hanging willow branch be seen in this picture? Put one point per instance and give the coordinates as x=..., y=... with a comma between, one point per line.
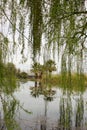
x=62, y=22
x=13, y=24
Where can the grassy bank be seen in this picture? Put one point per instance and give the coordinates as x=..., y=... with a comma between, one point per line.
x=64, y=80
x=73, y=81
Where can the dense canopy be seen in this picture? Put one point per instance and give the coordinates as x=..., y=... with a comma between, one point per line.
x=62, y=23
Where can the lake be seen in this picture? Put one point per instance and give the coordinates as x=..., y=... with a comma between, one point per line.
x=52, y=108
x=45, y=108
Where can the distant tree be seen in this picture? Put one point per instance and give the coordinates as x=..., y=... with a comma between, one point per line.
x=23, y=75
x=50, y=66
x=37, y=69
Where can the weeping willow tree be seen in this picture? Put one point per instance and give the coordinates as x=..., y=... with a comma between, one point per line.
x=63, y=24
x=7, y=85
x=7, y=73
x=67, y=24
x=24, y=15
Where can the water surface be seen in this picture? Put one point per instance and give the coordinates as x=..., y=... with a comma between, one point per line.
x=51, y=108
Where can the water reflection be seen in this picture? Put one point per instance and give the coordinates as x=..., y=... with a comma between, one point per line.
x=53, y=108
x=79, y=122
x=65, y=118
x=71, y=107
x=47, y=92
x=48, y=95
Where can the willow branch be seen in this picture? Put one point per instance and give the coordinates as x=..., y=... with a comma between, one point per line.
x=13, y=25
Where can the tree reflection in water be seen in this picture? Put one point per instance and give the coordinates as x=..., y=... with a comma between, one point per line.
x=66, y=113
x=47, y=92
x=70, y=117
x=80, y=112
x=65, y=119
x=48, y=95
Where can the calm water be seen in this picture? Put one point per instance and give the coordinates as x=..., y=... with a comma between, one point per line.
x=51, y=108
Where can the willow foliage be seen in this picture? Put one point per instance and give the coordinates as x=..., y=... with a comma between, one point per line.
x=63, y=22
